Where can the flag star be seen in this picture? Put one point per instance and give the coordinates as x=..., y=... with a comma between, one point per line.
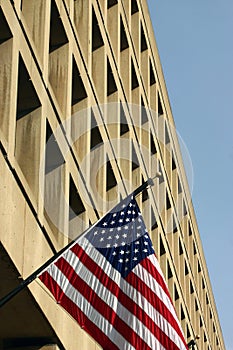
x=126, y=227
x=139, y=220
x=114, y=253
x=115, y=245
x=126, y=260
x=126, y=268
x=127, y=219
x=101, y=239
x=124, y=235
x=95, y=233
x=112, y=222
x=118, y=228
x=133, y=212
x=108, y=245
x=138, y=227
x=109, y=237
x=146, y=243
x=123, y=243
x=117, y=237
x=138, y=234
x=130, y=204
x=122, y=252
x=136, y=250
x=135, y=258
x=133, y=219
x=137, y=242
x=122, y=213
x=146, y=236
x=145, y=250
x=127, y=252
x=121, y=220
x=114, y=215
x=129, y=212
x=105, y=224
x=103, y=231
x=111, y=229
x=120, y=260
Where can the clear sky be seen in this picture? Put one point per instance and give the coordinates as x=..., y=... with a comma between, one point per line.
x=195, y=43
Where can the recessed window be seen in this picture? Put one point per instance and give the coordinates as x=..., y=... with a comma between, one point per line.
x=111, y=3
x=124, y=42
x=194, y=248
x=134, y=79
x=97, y=40
x=57, y=36
x=196, y=305
x=124, y=128
x=184, y=208
x=173, y=162
x=111, y=84
x=201, y=322
x=96, y=138
x=111, y=180
x=152, y=145
x=182, y=315
x=152, y=76
x=76, y=206
x=154, y=223
x=134, y=7
x=143, y=40
x=27, y=99
x=78, y=89
x=53, y=155
x=186, y=268
x=5, y=33
x=174, y=225
x=188, y=332
x=179, y=186
x=135, y=162
x=168, y=202
x=161, y=247
x=169, y=271
x=176, y=294
x=180, y=248
x=160, y=108
x=167, y=138
x=191, y=287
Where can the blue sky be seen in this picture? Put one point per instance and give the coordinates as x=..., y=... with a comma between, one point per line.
x=194, y=39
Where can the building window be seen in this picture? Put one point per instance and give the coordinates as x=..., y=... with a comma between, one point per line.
x=154, y=223
x=53, y=155
x=111, y=180
x=134, y=79
x=78, y=89
x=124, y=42
x=96, y=138
x=144, y=117
x=152, y=145
x=160, y=108
x=124, y=128
x=57, y=36
x=169, y=271
x=143, y=40
x=152, y=76
x=111, y=84
x=161, y=247
x=111, y=3
x=145, y=194
x=134, y=7
x=76, y=206
x=97, y=40
x=5, y=33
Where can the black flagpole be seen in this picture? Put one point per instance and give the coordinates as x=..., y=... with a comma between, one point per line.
x=34, y=275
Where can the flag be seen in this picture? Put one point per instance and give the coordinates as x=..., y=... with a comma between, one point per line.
x=110, y=282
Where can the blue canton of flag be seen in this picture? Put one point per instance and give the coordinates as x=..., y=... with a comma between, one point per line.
x=121, y=237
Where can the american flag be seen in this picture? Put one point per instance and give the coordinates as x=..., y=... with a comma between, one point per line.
x=110, y=282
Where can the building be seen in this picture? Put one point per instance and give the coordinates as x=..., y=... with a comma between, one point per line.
x=92, y=66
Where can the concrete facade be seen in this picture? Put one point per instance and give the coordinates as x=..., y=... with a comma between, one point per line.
x=92, y=66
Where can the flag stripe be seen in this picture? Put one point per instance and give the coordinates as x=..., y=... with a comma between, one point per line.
x=84, y=322
x=93, y=293
x=143, y=310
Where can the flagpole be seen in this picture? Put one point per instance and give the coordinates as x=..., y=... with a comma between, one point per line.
x=34, y=275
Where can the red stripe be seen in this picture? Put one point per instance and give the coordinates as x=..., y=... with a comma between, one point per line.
x=98, y=304
x=77, y=314
x=126, y=301
x=154, y=300
x=150, y=267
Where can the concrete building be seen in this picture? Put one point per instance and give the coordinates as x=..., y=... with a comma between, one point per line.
x=93, y=67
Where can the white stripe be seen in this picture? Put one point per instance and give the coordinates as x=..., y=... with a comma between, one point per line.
x=131, y=292
x=79, y=300
x=111, y=300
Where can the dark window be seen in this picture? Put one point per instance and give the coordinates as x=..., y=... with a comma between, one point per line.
x=152, y=76
x=194, y=249
x=134, y=7
x=124, y=42
x=152, y=145
x=57, y=36
x=175, y=228
x=167, y=138
x=27, y=99
x=78, y=89
x=111, y=84
x=124, y=128
x=145, y=194
x=76, y=206
x=111, y=180
x=169, y=271
x=144, y=117
x=154, y=223
x=196, y=305
x=182, y=316
x=176, y=293
x=111, y=3
x=180, y=248
x=143, y=40
x=5, y=33
x=96, y=138
x=168, y=202
x=160, y=108
x=179, y=186
x=97, y=40
x=134, y=79
x=186, y=268
x=161, y=245
x=191, y=287
x=173, y=163
x=53, y=156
